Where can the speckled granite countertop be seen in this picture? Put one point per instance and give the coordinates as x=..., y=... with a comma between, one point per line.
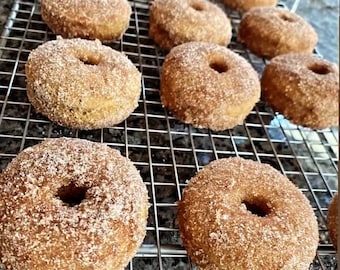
x=5, y=6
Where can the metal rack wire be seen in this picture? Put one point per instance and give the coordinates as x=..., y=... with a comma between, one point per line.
x=166, y=151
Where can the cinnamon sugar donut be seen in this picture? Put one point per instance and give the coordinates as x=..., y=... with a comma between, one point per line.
x=71, y=204
x=245, y=5
x=105, y=20
x=82, y=84
x=304, y=88
x=208, y=85
x=241, y=214
x=270, y=31
x=333, y=220
x=173, y=22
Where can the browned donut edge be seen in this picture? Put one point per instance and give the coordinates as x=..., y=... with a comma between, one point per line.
x=61, y=86
x=70, y=25
x=203, y=206
x=245, y=5
x=160, y=35
x=83, y=251
x=169, y=31
x=198, y=94
x=294, y=85
x=333, y=220
x=271, y=31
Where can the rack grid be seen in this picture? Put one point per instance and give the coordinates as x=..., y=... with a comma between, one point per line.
x=166, y=151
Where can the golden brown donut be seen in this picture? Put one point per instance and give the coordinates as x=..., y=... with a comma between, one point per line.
x=304, y=88
x=105, y=20
x=333, y=220
x=173, y=22
x=71, y=204
x=82, y=84
x=208, y=85
x=245, y=5
x=241, y=214
x=270, y=31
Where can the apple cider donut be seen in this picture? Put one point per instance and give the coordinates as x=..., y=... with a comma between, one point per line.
x=304, y=88
x=245, y=5
x=271, y=31
x=241, y=214
x=333, y=220
x=105, y=20
x=173, y=22
x=208, y=85
x=71, y=204
x=81, y=83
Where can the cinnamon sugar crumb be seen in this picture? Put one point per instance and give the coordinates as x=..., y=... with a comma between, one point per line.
x=39, y=231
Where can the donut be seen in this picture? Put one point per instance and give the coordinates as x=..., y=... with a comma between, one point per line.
x=104, y=20
x=241, y=214
x=245, y=5
x=208, y=85
x=81, y=83
x=304, y=88
x=71, y=204
x=333, y=220
x=271, y=31
x=173, y=22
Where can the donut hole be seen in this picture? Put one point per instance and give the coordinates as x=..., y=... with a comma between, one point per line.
x=218, y=65
x=71, y=194
x=286, y=17
x=257, y=207
x=319, y=69
x=197, y=6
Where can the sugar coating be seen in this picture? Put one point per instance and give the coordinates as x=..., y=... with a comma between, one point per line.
x=173, y=22
x=333, y=220
x=245, y=5
x=219, y=232
x=82, y=84
x=199, y=95
x=272, y=31
x=39, y=231
x=105, y=20
x=304, y=88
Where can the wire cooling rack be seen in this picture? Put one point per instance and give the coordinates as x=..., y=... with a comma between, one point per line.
x=166, y=151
